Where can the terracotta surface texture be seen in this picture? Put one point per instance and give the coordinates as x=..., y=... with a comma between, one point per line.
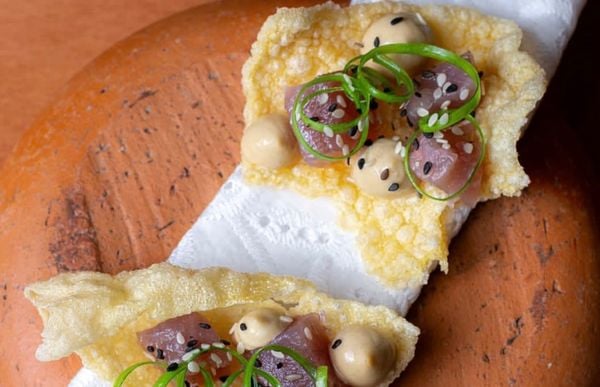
x=45, y=42
x=112, y=174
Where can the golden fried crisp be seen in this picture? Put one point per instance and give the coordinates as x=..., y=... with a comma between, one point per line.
x=402, y=239
x=97, y=315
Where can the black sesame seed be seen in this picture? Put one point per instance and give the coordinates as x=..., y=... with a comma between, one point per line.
x=192, y=343
x=279, y=365
x=353, y=131
x=373, y=104
x=452, y=88
x=258, y=363
x=396, y=20
x=336, y=344
x=150, y=348
x=204, y=326
x=160, y=354
x=243, y=326
x=394, y=187
x=223, y=378
x=332, y=107
x=172, y=367
x=348, y=161
x=428, y=74
x=384, y=174
x=315, y=118
x=416, y=144
x=186, y=383
x=403, y=113
x=418, y=95
x=225, y=342
x=361, y=163
x=427, y=167
x=428, y=135
x=368, y=142
x=376, y=42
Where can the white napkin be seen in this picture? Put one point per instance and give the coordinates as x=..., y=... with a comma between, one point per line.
x=252, y=228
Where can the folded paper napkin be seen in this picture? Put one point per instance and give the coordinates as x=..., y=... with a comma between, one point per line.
x=248, y=228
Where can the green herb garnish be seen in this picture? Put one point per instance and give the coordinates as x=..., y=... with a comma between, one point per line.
x=362, y=84
x=248, y=371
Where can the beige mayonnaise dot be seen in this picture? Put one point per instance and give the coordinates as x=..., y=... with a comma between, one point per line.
x=361, y=356
x=378, y=170
x=269, y=142
x=258, y=327
x=404, y=27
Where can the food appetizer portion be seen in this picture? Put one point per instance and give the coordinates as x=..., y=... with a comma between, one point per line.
x=404, y=116
x=167, y=324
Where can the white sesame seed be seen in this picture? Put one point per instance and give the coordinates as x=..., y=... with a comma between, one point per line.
x=338, y=113
x=204, y=346
x=446, y=146
x=437, y=93
x=438, y=135
x=229, y=357
x=445, y=104
x=444, y=119
x=468, y=148
x=421, y=112
x=361, y=124
x=345, y=150
x=328, y=131
x=341, y=101
x=322, y=99
x=187, y=356
x=286, y=319
x=339, y=141
x=458, y=131
x=441, y=141
x=180, y=339
x=464, y=93
x=218, y=345
x=417, y=164
x=396, y=138
x=308, y=333
x=278, y=354
x=293, y=377
x=399, y=149
x=441, y=79
x=240, y=348
x=433, y=119
x=216, y=359
x=232, y=329
x=193, y=367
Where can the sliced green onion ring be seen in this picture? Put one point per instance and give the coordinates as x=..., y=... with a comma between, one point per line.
x=433, y=52
x=129, y=370
x=362, y=84
x=351, y=87
x=413, y=179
